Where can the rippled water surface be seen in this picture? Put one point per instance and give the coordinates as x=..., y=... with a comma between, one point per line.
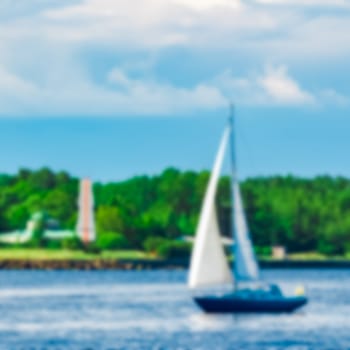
x=154, y=310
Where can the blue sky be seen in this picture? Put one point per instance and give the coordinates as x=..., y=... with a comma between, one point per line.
x=114, y=88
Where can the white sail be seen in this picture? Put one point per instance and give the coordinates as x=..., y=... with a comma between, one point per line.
x=246, y=267
x=209, y=266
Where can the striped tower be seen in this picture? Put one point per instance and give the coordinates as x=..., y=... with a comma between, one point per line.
x=86, y=220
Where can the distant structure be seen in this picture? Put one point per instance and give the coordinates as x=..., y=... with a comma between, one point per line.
x=85, y=227
x=86, y=220
x=279, y=252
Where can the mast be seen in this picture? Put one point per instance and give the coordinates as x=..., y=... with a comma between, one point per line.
x=233, y=179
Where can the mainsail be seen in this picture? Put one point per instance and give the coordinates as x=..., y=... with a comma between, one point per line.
x=246, y=267
x=245, y=263
x=209, y=266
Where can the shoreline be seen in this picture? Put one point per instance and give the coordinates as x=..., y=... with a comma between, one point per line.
x=148, y=264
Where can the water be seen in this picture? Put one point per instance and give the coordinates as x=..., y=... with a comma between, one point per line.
x=153, y=310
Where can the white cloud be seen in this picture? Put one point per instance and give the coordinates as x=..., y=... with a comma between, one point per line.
x=130, y=25
x=46, y=54
x=232, y=25
x=203, y=5
x=155, y=23
x=273, y=87
x=280, y=87
x=16, y=94
x=314, y=3
x=164, y=98
x=121, y=96
x=264, y=28
x=207, y=23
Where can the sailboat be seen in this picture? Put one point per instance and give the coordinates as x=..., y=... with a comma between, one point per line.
x=216, y=287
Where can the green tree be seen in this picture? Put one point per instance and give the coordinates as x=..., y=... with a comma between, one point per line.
x=109, y=219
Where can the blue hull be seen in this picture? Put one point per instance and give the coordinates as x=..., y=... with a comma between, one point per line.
x=232, y=304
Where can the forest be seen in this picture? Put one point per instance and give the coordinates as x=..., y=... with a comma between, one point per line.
x=301, y=214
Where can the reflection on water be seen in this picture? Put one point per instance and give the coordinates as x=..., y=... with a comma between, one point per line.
x=154, y=310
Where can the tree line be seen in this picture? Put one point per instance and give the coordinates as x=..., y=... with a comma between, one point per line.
x=301, y=214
